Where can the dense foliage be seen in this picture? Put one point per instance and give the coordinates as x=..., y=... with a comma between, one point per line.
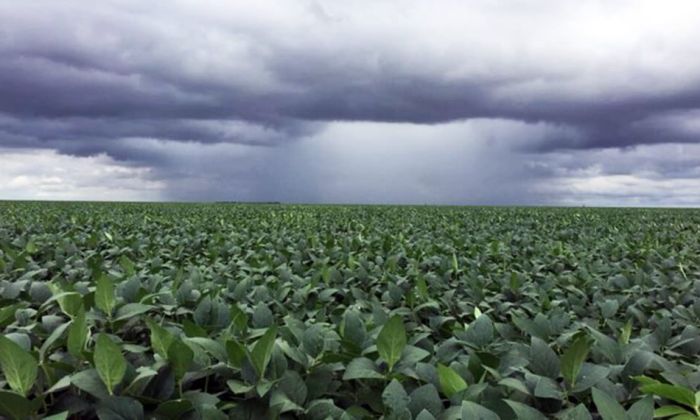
x=130, y=311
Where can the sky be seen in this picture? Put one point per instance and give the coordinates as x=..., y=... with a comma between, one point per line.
x=479, y=102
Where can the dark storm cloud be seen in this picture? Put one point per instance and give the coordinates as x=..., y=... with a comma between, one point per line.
x=319, y=100
x=178, y=71
x=87, y=135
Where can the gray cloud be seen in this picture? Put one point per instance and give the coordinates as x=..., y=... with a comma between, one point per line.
x=192, y=90
x=309, y=61
x=45, y=174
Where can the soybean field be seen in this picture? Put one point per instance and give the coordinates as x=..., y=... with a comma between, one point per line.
x=235, y=311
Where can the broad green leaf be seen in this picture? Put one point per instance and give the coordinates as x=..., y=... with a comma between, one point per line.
x=17, y=407
x=131, y=310
x=573, y=358
x=395, y=397
x=313, y=340
x=212, y=314
x=180, y=356
x=239, y=319
x=174, y=409
x=109, y=362
x=139, y=383
x=263, y=387
x=626, y=332
x=322, y=409
x=544, y=387
x=412, y=355
x=60, y=385
x=543, y=360
x=391, y=341
x=294, y=353
x=642, y=409
x=30, y=247
x=515, y=384
x=89, y=381
x=104, y=294
x=425, y=415
x=675, y=393
x=161, y=339
x=361, y=368
x=50, y=341
x=524, y=412
x=610, y=348
x=22, y=340
x=7, y=314
x=608, y=408
x=58, y=416
x=127, y=265
x=70, y=302
x=425, y=397
x=480, y=332
x=450, y=381
x=356, y=412
x=212, y=347
x=119, y=408
x=77, y=334
x=669, y=410
x=589, y=376
x=353, y=329
x=686, y=416
x=262, y=351
x=474, y=411
x=236, y=353
x=211, y=412
x=262, y=316
x=580, y=412
x=19, y=367
x=294, y=387
x=422, y=287
x=280, y=403
x=238, y=387
x=608, y=308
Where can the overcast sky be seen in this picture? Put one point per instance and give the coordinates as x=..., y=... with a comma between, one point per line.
x=567, y=102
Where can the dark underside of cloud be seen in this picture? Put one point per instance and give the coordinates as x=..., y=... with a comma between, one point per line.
x=144, y=83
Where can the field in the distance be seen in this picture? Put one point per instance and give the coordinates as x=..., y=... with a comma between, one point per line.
x=130, y=311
